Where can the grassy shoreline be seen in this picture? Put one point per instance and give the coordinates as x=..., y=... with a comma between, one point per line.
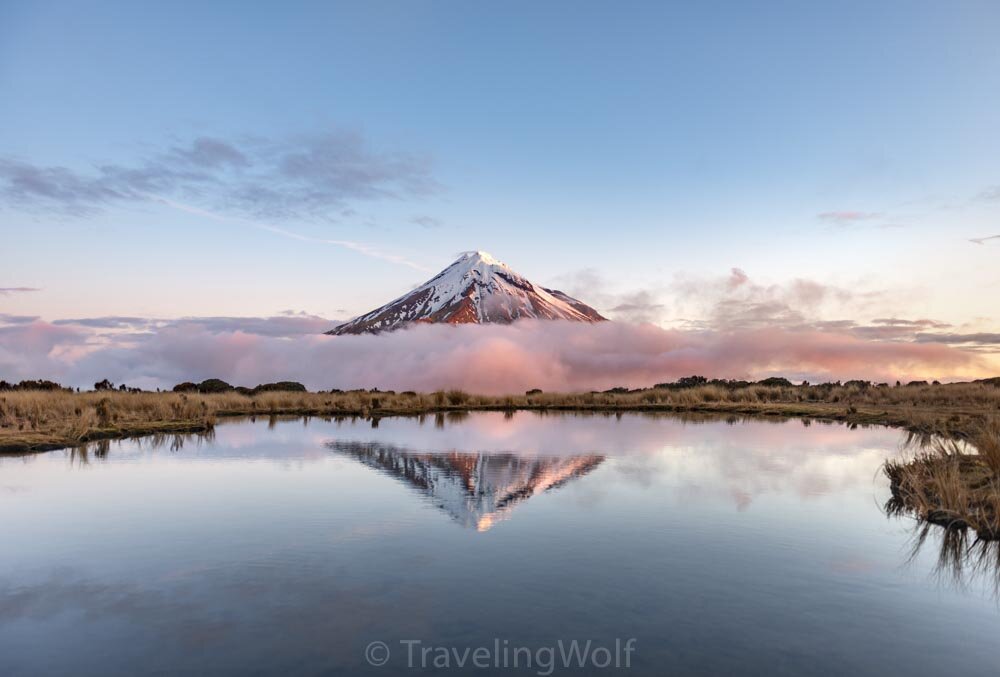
x=46, y=420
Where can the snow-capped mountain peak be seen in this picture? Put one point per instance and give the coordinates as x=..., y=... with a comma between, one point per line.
x=481, y=257
x=476, y=288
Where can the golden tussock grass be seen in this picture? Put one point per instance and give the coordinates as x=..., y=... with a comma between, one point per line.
x=955, y=483
x=50, y=419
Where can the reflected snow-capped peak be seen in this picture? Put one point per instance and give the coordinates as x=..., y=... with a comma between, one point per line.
x=476, y=489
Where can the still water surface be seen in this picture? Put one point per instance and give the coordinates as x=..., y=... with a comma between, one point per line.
x=287, y=547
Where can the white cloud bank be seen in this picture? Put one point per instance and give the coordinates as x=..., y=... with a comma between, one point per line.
x=488, y=359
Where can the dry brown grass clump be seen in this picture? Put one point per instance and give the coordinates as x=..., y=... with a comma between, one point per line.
x=954, y=483
x=42, y=419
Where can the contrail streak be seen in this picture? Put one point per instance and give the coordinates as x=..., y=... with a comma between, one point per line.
x=359, y=247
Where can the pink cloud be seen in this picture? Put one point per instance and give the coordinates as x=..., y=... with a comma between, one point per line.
x=848, y=216
x=737, y=278
x=488, y=359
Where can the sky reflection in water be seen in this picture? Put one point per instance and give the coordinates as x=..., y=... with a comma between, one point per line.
x=288, y=545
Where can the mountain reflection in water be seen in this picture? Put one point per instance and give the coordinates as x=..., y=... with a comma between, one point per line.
x=477, y=489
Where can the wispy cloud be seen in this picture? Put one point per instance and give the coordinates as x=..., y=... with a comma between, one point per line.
x=250, y=182
x=286, y=324
x=899, y=322
x=848, y=219
x=926, y=206
x=640, y=306
x=6, y=318
x=309, y=176
x=978, y=338
x=989, y=194
x=108, y=322
x=211, y=154
x=737, y=303
x=6, y=291
x=848, y=216
x=426, y=221
x=719, y=303
x=359, y=247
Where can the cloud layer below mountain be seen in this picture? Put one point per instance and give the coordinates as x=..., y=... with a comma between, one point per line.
x=487, y=359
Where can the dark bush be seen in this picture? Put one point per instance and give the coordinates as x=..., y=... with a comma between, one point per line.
x=775, y=381
x=732, y=384
x=214, y=385
x=280, y=386
x=691, y=381
x=534, y=391
x=39, y=385
x=685, y=382
x=186, y=387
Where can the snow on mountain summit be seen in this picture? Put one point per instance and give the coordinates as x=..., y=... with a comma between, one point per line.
x=477, y=288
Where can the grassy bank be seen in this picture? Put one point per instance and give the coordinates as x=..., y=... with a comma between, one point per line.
x=39, y=420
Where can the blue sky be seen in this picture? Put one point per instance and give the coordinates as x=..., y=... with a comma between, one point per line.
x=616, y=150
